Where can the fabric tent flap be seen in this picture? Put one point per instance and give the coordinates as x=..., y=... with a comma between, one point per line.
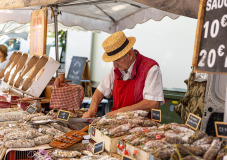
x=188, y=8
x=108, y=16
x=10, y=4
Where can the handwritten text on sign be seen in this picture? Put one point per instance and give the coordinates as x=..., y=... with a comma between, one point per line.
x=36, y=28
x=99, y=147
x=63, y=115
x=221, y=129
x=76, y=69
x=38, y=32
x=193, y=121
x=156, y=114
x=213, y=48
x=31, y=109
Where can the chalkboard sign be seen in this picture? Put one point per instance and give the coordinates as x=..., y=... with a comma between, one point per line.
x=31, y=109
x=76, y=69
x=63, y=115
x=212, y=53
x=156, y=115
x=99, y=147
x=124, y=157
x=221, y=129
x=193, y=121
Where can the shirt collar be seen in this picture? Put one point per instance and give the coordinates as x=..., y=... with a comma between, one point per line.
x=129, y=70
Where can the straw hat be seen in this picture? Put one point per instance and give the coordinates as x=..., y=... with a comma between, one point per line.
x=116, y=46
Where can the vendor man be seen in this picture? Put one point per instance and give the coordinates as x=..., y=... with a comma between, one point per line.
x=135, y=82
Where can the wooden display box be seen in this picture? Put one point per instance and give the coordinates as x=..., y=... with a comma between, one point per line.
x=140, y=155
x=110, y=144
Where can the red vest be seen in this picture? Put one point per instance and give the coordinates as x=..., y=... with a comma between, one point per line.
x=139, y=73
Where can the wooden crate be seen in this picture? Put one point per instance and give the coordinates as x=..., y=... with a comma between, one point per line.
x=110, y=144
x=140, y=155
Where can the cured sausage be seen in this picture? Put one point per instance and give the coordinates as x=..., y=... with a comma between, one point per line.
x=12, y=116
x=21, y=135
x=213, y=150
x=121, y=128
x=61, y=128
x=41, y=118
x=29, y=117
x=65, y=154
x=20, y=143
x=45, y=139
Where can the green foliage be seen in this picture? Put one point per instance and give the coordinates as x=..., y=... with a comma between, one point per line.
x=62, y=35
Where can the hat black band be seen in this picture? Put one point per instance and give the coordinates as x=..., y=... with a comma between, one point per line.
x=118, y=49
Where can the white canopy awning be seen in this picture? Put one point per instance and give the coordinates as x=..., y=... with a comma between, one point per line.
x=108, y=16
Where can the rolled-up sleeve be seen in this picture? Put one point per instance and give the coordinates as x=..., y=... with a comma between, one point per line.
x=106, y=86
x=153, y=88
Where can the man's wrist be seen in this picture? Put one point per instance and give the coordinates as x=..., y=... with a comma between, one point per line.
x=92, y=112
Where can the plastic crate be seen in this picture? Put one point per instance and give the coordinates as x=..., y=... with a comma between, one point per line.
x=20, y=155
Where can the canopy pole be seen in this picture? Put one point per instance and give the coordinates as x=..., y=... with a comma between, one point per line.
x=56, y=13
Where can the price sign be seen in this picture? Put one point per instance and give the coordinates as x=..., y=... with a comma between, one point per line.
x=221, y=129
x=38, y=32
x=210, y=52
x=31, y=109
x=124, y=157
x=99, y=147
x=156, y=115
x=63, y=115
x=193, y=121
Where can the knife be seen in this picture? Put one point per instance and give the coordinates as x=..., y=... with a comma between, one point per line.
x=81, y=120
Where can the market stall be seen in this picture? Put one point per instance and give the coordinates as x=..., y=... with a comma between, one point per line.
x=127, y=135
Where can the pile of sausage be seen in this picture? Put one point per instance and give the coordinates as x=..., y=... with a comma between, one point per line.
x=166, y=141
x=174, y=141
x=75, y=155
x=16, y=133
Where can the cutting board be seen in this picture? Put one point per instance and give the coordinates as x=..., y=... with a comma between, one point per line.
x=69, y=138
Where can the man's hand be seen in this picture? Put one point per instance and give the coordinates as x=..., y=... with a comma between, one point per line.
x=96, y=99
x=89, y=115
